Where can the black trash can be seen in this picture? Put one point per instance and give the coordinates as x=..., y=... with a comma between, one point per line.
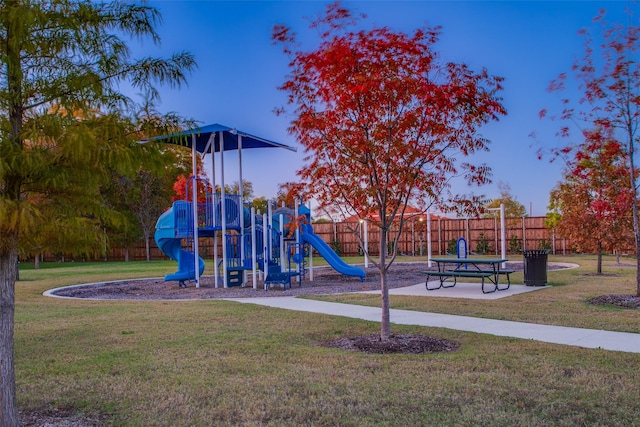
x=535, y=267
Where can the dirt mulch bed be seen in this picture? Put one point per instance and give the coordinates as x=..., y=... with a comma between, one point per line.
x=60, y=417
x=326, y=281
x=620, y=301
x=397, y=343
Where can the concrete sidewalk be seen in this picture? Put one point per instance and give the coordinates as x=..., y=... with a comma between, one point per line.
x=461, y=290
x=588, y=338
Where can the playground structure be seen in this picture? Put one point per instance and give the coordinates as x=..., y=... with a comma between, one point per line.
x=264, y=243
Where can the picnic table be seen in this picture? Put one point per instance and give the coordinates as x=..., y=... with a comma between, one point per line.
x=480, y=268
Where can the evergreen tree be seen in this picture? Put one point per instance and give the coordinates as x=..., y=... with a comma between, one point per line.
x=61, y=127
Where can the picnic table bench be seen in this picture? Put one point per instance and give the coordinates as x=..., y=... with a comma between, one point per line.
x=444, y=275
x=502, y=272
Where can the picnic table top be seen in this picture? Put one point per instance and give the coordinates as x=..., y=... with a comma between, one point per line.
x=470, y=260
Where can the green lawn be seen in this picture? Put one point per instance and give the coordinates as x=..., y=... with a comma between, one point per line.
x=564, y=304
x=198, y=363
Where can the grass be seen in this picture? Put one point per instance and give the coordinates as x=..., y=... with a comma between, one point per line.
x=564, y=304
x=155, y=363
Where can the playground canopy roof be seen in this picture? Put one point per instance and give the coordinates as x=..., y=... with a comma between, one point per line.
x=205, y=135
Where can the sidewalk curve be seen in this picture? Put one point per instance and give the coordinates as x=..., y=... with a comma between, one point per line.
x=588, y=338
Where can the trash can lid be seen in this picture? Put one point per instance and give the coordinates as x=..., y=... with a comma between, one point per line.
x=528, y=252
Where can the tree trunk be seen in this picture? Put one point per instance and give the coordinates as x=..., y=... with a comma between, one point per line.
x=10, y=187
x=385, y=322
x=637, y=265
x=636, y=229
x=8, y=260
x=599, y=267
x=634, y=206
x=147, y=248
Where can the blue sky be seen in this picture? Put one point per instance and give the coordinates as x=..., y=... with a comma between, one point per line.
x=239, y=70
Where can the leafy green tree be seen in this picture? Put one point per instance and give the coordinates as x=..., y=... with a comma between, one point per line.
x=140, y=197
x=260, y=204
x=61, y=58
x=247, y=189
x=80, y=236
x=134, y=198
x=512, y=208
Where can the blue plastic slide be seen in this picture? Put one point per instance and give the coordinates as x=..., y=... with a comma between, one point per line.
x=171, y=246
x=308, y=236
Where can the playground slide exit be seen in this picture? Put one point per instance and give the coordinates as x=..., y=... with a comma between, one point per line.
x=328, y=254
x=171, y=246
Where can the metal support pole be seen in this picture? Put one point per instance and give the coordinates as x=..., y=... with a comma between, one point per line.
x=223, y=213
x=503, y=232
x=429, y=251
x=241, y=209
x=265, y=247
x=212, y=150
x=282, y=248
x=194, y=199
x=254, y=254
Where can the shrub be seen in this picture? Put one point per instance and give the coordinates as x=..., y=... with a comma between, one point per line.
x=515, y=245
x=452, y=246
x=543, y=244
x=336, y=246
x=483, y=245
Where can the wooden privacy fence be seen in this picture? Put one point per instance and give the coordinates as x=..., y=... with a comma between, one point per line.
x=482, y=236
x=521, y=233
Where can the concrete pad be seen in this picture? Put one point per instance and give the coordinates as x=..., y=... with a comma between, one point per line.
x=460, y=290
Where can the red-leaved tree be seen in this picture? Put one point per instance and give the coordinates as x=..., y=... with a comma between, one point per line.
x=593, y=202
x=183, y=187
x=608, y=77
x=384, y=122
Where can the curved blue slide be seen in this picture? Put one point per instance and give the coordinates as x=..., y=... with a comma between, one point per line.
x=171, y=246
x=308, y=236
